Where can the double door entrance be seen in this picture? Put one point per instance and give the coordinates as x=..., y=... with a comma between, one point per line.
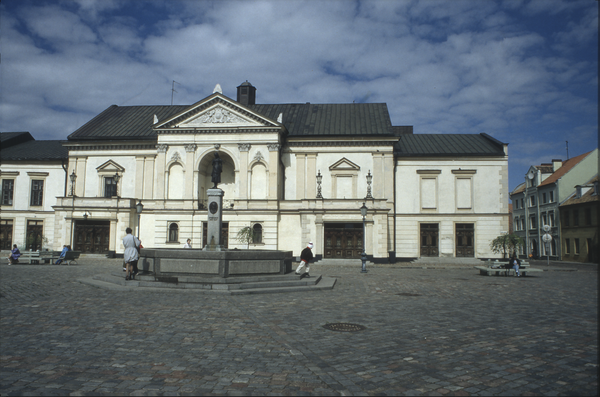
x=343, y=240
x=92, y=236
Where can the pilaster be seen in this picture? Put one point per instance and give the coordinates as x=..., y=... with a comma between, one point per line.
x=148, y=180
x=311, y=176
x=190, y=151
x=161, y=157
x=300, y=176
x=273, y=193
x=139, y=177
x=244, y=148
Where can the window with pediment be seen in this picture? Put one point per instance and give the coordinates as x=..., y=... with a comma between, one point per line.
x=344, y=179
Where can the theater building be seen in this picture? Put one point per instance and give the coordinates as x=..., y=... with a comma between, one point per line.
x=293, y=173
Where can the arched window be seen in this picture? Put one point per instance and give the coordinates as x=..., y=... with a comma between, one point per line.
x=257, y=234
x=173, y=233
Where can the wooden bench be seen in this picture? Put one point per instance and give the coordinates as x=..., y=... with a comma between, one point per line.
x=69, y=259
x=30, y=257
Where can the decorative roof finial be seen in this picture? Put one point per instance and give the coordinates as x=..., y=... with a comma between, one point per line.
x=218, y=89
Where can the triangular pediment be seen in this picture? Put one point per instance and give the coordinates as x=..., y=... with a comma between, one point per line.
x=344, y=164
x=216, y=111
x=110, y=166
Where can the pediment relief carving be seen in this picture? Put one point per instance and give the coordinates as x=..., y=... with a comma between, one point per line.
x=216, y=111
x=344, y=165
x=110, y=166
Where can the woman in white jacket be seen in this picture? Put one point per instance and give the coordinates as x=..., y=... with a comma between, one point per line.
x=131, y=254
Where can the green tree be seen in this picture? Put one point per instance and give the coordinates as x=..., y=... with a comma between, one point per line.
x=245, y=236
x=506, y=243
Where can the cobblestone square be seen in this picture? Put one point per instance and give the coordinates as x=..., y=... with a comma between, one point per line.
x=429, y=331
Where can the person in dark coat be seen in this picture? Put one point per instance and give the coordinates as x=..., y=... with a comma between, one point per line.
x=305, y=257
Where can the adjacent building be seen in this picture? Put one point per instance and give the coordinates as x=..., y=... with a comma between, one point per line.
x=536, y=201
x=294, y=173
x=579, y=224
x=32, y=174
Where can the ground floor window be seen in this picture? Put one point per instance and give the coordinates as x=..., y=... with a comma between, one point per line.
x=35, y=230
x=6, y=233
x=257, y=233
x=173, y=233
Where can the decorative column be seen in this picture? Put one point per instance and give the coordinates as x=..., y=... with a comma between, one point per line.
x=139, y=176
x=159, y=190
x=273, y=171
x=80, y=171
x=243, y=174
x=148, y=177
x=190, y=151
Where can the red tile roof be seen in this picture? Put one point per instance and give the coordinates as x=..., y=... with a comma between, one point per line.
x=566, y=167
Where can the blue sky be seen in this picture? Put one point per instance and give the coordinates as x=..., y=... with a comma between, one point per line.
x=525, y=72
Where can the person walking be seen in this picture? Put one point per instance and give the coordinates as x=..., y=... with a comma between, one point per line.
x=131, y=254
x=305, y=257
x=14, y=255
x=188, y=243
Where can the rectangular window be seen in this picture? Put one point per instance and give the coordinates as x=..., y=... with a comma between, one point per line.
x=532, y=201
x=516, y=204
x=566, y=218
x=37, y=192
x=463, y=193
x=588, y=216
x=7, y=191
x=428, y=193
x=567, y=246
x=516, y=224
x=532, y=222
x=110, y=187
x=544, y=218
x=544, y=198
x=523, y=224
x=551, y=196
x=551, y=218
x=576, y=246
x=522, y=203
x=575, y=217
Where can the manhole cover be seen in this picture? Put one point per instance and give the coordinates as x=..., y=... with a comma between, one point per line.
x=407, y=294
x=344, y=327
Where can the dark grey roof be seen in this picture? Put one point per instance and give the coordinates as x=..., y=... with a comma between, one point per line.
x=448, y=145
x=35, y=151
x=330, y=119
x=135, y=122
x=8, y=139
x=125, y=122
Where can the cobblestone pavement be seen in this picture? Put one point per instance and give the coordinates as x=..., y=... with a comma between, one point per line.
x=428, y=332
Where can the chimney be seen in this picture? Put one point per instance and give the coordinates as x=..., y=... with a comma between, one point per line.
x=556, y=164
x=246, y=94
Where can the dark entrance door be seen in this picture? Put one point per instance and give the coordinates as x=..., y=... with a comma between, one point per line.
x=429, y=239
x=465, y=233
x=92, y=236
x=343, y=240
x=34, y=235
x=224, y=234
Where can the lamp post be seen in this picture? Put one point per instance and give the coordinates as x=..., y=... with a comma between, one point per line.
x=363, y=212
x=116, y=178
x=369, y=179
x=319, y=180
x=547, y=238
x=139, y=207
x=73, y=177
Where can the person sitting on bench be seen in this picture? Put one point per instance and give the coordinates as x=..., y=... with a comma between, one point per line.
x=14, y=255
x=66, y=249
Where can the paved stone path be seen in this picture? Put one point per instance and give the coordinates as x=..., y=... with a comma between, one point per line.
x=428, y=332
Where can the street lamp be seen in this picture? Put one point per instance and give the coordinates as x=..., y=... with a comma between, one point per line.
x=369, y=179
x=363, y=212
x=547, y=238
x=319, y=180
x=116, y=178
x=72, y=177
x=139, y=207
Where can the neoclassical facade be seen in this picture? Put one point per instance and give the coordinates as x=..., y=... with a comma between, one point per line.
x=294, y=173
